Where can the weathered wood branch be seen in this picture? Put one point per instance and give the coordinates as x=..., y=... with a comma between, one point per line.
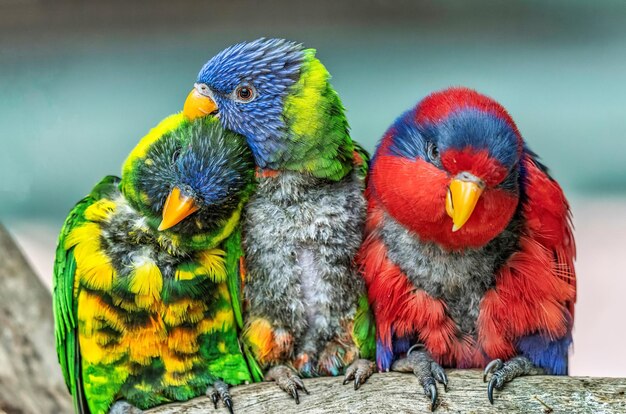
x=30, y=377
x=31, y=383
x=400, y=393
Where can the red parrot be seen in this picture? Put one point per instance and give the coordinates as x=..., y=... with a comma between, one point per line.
x=469, y=249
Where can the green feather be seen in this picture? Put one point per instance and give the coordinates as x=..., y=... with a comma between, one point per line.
x=364, y=331
x=363, y=166
x=234, y=253
x=65, y=323
x=318, y=128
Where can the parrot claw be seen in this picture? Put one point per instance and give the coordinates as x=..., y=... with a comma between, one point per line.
x=287, y=380
x=426, y=370
x=219, y=390
x=432, y=389
x=359, y=371
x=124, y=407
x=503, y=372
x=494, y=365
x=493, y=382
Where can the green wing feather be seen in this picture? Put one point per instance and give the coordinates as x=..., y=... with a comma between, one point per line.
x=234, y=254
x=364, y=331
x=64, y=300
x=362, y=165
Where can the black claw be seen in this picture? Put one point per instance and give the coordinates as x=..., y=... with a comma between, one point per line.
x=305, y=390
x=346, y=380
x=357, y=384
x=490, y=387
x=296, y=396
x=441, y=377
x=215, y=398
x=229, y=403
x=433, y=397
x=491, y=366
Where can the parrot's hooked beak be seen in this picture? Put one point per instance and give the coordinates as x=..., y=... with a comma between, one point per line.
x=199, y=103
x=463, y=194
x=177, y=207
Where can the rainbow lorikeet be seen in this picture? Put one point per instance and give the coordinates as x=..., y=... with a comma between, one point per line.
x=307, y=312
x=469, y=249
x=145, y=270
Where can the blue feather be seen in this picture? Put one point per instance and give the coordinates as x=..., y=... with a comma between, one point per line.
x=269, y=65
x=384, y=356
x=546, y=353
x=467, y=127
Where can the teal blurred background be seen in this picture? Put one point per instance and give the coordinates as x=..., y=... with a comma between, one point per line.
x=82, y=81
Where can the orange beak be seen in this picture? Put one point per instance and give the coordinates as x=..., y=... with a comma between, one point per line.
x=198, y=105
x=177, y=207
x=463, y=194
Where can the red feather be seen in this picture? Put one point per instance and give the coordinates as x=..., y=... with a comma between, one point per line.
x=535, y=290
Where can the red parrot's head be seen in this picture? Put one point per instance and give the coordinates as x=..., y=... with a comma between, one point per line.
x=449, y=169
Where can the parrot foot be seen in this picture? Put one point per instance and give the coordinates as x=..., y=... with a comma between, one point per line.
x=124, y=407
x=287, y=380
x=359, y=371
x=219, y=391
x=503, y=372
x=426, y=370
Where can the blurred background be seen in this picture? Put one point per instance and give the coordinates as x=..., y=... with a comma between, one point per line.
x=82, y=81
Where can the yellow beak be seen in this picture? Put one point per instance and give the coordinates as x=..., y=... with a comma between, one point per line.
x=198, y=105
x=463, y=194
x=177, y=207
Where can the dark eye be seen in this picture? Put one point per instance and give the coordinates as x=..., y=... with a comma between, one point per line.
x=175, y=155
x=433, y=153
x=245, y=93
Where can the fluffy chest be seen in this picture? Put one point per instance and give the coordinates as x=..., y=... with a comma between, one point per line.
x=458, y=278
x=294, y=208
x=300, y=235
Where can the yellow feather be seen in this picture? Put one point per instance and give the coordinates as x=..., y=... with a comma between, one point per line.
x=175, y=364
x=185, y=310
x=222, y=320
x=93, y=266
x=93, y=315
x=146, y=283
x=303, y=106
x=184, y=275
x=214, y=264
x=145, y=343
x=100, y=210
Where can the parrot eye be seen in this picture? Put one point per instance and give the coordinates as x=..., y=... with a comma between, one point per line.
x=433, y=153
x=175, y=156
x=245, y=93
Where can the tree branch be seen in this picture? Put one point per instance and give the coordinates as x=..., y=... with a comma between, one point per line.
x=30, y=377
x=400, y=393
